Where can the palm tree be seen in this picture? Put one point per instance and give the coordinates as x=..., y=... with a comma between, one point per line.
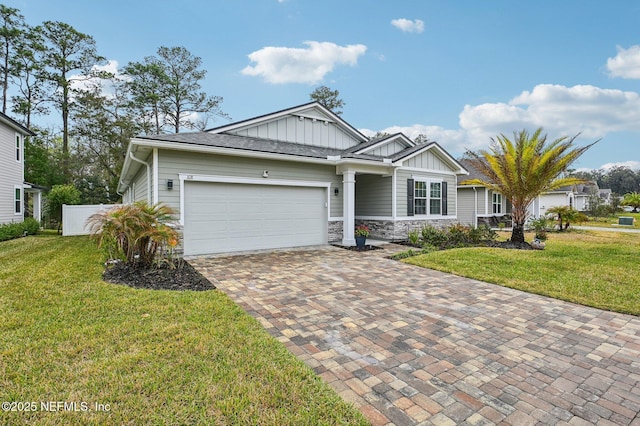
x=564, y=214
x=632, y=199
x=524, y=168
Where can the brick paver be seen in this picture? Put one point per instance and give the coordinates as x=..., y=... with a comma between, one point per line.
x=414, y=346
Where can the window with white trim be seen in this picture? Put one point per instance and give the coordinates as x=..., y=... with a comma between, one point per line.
x=18, y=148
x=427, y=197
x=18, y=200
x=435, y=198
x=497, y=203
x=420, y=197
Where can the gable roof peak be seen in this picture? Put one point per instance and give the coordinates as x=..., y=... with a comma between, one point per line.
x=313, y=110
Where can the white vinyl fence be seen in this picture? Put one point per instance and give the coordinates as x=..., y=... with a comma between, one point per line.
x=74, y=218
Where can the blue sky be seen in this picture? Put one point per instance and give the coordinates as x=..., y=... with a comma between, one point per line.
x=458, y=71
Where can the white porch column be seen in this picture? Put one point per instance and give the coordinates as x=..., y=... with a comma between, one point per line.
x=37, y=205
x=349, y=207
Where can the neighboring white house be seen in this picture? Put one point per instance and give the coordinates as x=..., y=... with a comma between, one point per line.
x=297, y=177
x=574, y=196
x=12, y=185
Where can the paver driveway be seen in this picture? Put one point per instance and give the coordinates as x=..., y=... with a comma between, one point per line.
x=413, y=346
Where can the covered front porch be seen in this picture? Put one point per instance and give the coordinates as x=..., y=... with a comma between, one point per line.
x=366, y=188
x=376, y=197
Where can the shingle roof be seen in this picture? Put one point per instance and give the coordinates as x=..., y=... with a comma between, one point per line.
x=246, y=144
x=473, y=172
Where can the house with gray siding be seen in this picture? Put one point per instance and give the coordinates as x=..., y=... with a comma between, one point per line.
x=297, y=177
x=14, y=191
x=479, y=205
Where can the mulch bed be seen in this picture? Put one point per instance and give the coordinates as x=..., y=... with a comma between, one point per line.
x=180, y=277
x=366, y=247
x=497, y=244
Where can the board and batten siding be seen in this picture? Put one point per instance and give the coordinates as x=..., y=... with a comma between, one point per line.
x=387, y=150
x=171, y=163
x=373, y=195
x=427, y=160
x=401, y=192
x=11, y=174
x=302, y=130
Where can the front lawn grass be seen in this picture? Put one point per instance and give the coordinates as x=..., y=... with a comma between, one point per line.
x=151, y=357
x=612, y=221
x=598, y=269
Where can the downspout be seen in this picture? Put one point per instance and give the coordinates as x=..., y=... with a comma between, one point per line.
x=475, y=208
x=122, y=195
x=148, y=174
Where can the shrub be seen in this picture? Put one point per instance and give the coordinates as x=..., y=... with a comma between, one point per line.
x=414, y=237
x=136, y=233
x=458, y=235
x=433, y=236
x=31, y=226
x=59, y=195
x=482, y=233
x=9, y=231
x=541, y=226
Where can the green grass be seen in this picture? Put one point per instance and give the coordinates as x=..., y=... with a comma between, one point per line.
x=598, y=269
x=612, y=221
x=155, y=357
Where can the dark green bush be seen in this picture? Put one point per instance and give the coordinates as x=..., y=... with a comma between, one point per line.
x=9, y=231
x=31, y=226
x=433, y=236
x=482, y=233
x=454, y=236
x=458, y=235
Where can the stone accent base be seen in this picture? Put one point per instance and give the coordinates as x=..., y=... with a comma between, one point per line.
x=399, y=230
x=335, y=231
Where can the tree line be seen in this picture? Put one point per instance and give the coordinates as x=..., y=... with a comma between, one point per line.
x=620, y=179
x=53, y=71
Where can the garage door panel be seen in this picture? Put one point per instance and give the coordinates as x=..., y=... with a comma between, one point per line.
x=224, y=217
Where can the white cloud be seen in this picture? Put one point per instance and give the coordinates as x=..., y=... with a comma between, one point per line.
x=633, y=165
x=408, y=26
x=279, y=65
x=559, y=109
x=85, y=82
x=626, y=63
x=562, y=111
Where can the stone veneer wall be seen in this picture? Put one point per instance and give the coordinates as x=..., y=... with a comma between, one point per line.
x=178, y=250
x=399, y=230
x=335, y=230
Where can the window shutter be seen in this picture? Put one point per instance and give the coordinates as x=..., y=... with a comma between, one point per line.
x=410, y=194
x=444, y=198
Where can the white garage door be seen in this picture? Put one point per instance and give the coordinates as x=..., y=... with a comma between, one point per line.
x=227, y=217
